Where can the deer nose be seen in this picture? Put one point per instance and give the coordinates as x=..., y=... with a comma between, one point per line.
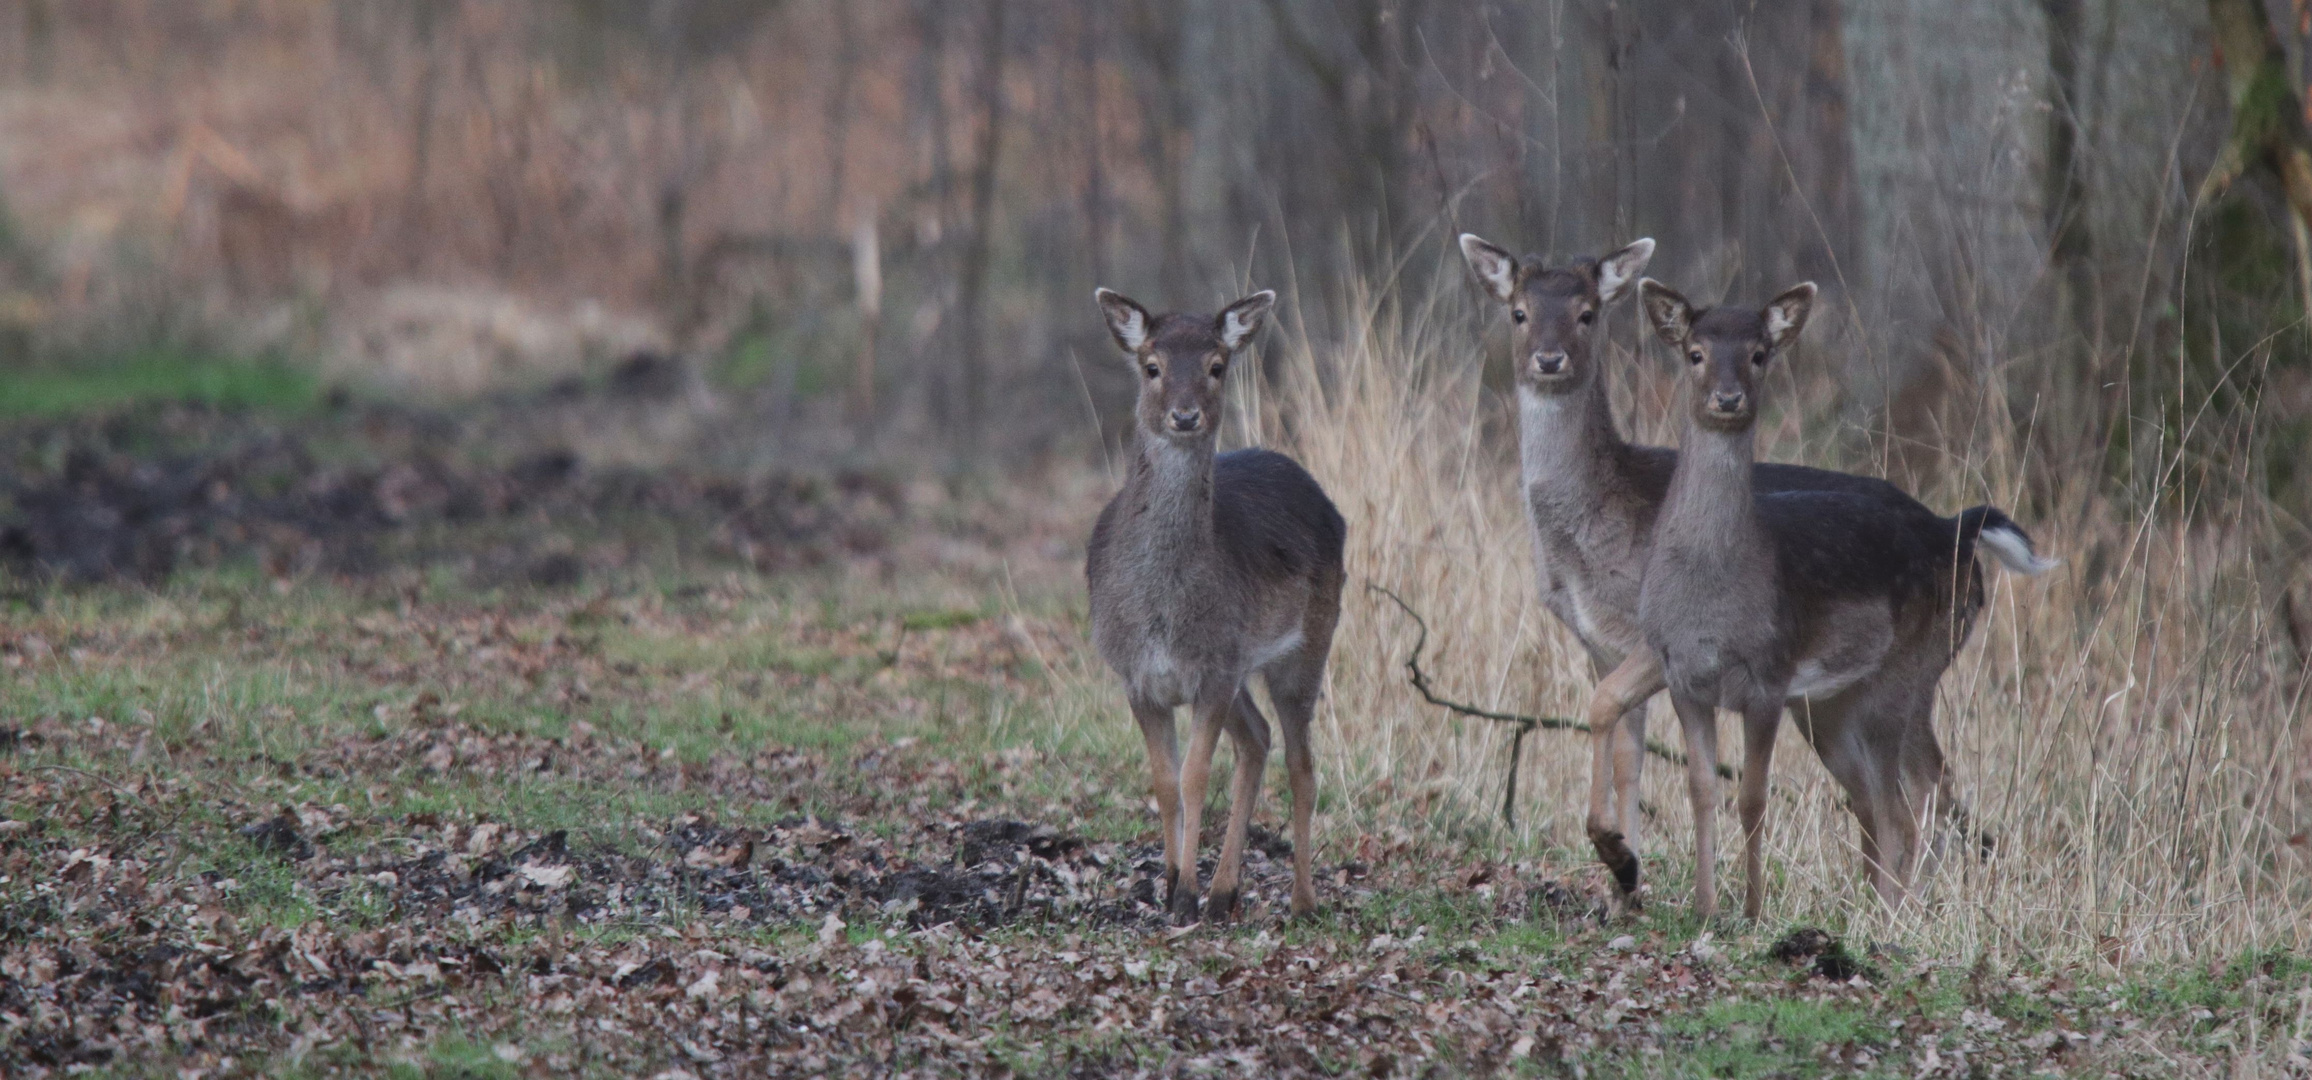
x=1549, y=363
x=1727, y=404
x=1186, y=419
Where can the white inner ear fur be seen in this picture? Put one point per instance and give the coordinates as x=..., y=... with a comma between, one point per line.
x=1787, y=313
x=1492, y=265
x=1243, y=317
x=1621, y=268
x=1125, y=319
x=1665, y=309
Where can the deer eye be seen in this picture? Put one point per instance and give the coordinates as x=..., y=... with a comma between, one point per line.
x=1517, y=315
x=1218, y=370
x=1758, y=359
x=1152, y=370
x=1589, y=316
x=1695, y=357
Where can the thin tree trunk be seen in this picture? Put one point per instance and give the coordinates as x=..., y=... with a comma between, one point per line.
x=2070, y=243
x=838, y=127
x=1095, y=174
x=971, y=301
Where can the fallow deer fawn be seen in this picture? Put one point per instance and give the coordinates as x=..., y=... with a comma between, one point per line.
x=1205, y=569
x=1844, y=605
x=1591, y=499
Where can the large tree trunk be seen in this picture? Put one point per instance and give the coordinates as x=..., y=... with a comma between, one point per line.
x=2268, y=131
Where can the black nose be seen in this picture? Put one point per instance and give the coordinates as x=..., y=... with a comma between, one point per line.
x=1550, y=363
x=1726, y=403
x=1186, y=419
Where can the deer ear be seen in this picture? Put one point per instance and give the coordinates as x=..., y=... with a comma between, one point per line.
x=1617, y=271
x=1669, y=312
x=1786, y=314
x=1241, y=319
x=1493, y=266
x=1127, y=320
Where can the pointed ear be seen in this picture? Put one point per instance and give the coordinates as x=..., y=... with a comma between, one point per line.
x=1495, y=267
x=1669, y=312
x=1239, y=320
x=1127, y=320
x=1617, y=271
x=1786, y=314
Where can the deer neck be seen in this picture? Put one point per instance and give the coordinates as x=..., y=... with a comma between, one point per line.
x=1171, y=496
x=1709, y=506
x=1566, y=443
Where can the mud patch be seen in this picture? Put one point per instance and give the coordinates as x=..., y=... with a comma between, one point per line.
x=140, y=495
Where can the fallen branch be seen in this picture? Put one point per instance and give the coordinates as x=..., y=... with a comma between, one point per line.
x=1420, y=681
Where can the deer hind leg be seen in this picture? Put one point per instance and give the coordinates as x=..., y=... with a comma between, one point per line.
x=1164, y=763
x=1295, y=694
x=1614, y=780
x=1933, y=801
x=1248, y=730
x=1760, y=725
x=1699, y=720
x=1212, y=715
x=1845, y=750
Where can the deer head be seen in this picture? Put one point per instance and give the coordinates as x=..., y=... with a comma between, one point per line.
x=1553, y=313
x=1726, y=348
x=1182, y=361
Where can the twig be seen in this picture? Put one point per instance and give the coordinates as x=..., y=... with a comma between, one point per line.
x=1420, y=681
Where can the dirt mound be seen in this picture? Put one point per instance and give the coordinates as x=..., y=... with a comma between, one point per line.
x=138, y=496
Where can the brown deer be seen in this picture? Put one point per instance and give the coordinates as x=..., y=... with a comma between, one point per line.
x=1591, y=499
x=1205, y=569
x=1845, y=606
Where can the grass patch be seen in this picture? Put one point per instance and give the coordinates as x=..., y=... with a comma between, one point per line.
x=158, y=374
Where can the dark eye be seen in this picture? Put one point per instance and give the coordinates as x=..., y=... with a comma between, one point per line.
x=1695, y=357
x=1517, y=315
x=1758, y=359
x=1218, y=369
x=1153, y=371
x=1588, y=317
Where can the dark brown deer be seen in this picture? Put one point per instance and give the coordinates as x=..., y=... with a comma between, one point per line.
x=1591, y=498
x=1205, y=569
x=1845, y=606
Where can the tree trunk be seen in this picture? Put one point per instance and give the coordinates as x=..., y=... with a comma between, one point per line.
x=2070, y=245
x=2268, y=131
x=971, y=299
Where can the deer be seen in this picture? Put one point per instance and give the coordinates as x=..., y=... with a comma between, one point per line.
x=1205, y=569
x=1843, y=606
x=1592, y=498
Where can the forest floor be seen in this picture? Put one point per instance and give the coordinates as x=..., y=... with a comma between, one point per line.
x=350, y=772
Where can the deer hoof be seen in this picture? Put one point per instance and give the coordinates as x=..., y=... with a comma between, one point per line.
x=1183, y=907
x=1221, y=906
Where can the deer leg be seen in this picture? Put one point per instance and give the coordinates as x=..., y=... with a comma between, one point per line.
x=1760, y=724
x=1195, y=776
x=1295, y=709
x=1699, y=719
x=1620, y=693
x=1248, y=730
x=1164, y=762
x=1927, y=786
x=1629, y=768
x=1898, y=830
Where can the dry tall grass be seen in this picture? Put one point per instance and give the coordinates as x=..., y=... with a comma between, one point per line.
x=2127, y=725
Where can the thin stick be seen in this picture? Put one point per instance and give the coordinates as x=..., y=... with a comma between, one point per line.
x=1420, y=681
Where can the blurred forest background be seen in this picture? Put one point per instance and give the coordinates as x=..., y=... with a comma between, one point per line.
x=866, y=230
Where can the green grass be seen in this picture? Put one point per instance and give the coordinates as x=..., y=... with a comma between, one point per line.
x=157, y=375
